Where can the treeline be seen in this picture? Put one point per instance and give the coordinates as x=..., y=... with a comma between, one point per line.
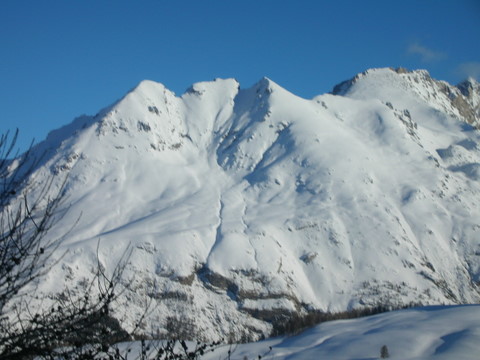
x=298, y=322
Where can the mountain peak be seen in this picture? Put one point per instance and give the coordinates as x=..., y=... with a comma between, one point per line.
x=146, y=94
x=266, y=85
x=147, y=87
x=388, y=85
x=387, y=73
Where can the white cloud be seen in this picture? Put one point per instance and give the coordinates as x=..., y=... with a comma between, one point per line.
x=426, y=54
x=470, y=69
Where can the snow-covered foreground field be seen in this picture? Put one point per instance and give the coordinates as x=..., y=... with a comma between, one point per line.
x=436, y=332
x=433, y=332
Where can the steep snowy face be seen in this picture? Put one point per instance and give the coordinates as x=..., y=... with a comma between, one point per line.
x=245, y=206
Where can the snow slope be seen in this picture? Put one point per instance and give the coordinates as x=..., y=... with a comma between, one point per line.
x=430, y=333
x=243, y=206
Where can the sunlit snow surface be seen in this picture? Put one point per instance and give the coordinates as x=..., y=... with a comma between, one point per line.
x=428, y=333
x=236, y=201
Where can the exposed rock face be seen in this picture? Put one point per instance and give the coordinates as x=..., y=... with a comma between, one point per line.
x=243, y=207
x=470, y=89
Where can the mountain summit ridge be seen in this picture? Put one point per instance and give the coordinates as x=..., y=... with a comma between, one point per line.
x=461, y=101
x=247, y=206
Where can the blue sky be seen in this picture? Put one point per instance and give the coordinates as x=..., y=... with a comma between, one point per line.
x=62, y=59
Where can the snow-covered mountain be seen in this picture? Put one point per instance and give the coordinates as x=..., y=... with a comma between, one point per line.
x=244, y=206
